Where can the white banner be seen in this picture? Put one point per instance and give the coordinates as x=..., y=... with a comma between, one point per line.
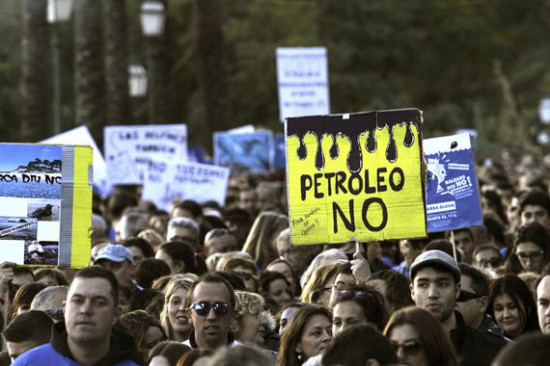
x=130, y=150
x=165, y=182
x=82, y=136
x=302, y=74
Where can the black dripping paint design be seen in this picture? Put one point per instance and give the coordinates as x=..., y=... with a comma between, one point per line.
x=353, y=128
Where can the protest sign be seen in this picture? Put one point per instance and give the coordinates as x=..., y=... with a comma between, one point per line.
x=165, y=182
x=129, y=150
x=244, y=152
x=302, y=74
x=355, y=177
x=452, y=192
x=45, y=204
x=82, y=136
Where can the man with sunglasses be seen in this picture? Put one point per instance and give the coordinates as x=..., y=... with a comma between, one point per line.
x=474, y=300
x=211, y=311
x=435, y=286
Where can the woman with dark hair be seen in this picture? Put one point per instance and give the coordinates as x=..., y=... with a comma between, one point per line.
x=308, y=334
x=150, y=269
x=139, y=247
x=357, y=305
x=180, y=258
x=531, y=250
x=284, y=267
x=277, y=287
x=261, y=242
x=50, y=277
x=167, y=353
x=145, y=329
x=24, y=296
x=512, y=306
x=419, y=338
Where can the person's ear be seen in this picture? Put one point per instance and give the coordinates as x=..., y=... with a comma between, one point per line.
x=457, y=287
x=116, y=314
x=484, y=301
x=179, y=266
x=411, y=289
x=189, y=318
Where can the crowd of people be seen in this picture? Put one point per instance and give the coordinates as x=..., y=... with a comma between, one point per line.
x=210, y=285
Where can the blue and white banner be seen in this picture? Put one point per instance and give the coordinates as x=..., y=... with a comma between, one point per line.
x=279, y=160
x=302, y=74
x=244, y=152
x=452, y=200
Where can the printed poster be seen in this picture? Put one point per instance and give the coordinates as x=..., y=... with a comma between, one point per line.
x=452, y=190
x=302, y=75
x=355, y=177
x=130, y=150
x=244, y=152
x=165, y=182
x=45, y=204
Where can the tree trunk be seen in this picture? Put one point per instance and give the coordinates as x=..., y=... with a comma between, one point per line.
x=211, y=66
x=35, y=112
x=89, y=72
x=116, y=63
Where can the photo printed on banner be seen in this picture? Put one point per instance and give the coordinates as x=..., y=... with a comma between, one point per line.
x=44, y=209
x=30, y=171
x=18, y=228
x=41, y=252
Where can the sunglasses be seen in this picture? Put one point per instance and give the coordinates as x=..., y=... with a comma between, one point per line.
x=467, y=295
x=532, y=255
x=409, y=347
x=203, y=308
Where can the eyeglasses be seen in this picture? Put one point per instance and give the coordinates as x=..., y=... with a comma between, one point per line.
x=203, y=308
x=467, y=295
x=409, y=347
x=531, y=255
x=357, y=294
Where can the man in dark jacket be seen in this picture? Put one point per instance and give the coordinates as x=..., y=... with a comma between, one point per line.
x=435, y=286
x=87, y=337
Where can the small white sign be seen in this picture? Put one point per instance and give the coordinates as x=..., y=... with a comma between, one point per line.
x=130, y=150
x=165, y=182
x=302, y=75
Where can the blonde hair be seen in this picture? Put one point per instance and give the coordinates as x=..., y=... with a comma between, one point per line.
x=319, y=278
x=174, y=285
x=257, y=243
x=248, y=303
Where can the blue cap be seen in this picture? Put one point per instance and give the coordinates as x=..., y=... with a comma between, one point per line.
x=115, y=253
x=435, y=256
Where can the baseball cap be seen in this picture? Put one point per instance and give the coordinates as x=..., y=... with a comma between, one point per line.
x=115, y=253
x=435, y=256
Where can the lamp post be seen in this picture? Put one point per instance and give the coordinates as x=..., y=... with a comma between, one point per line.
x=137, y=83
x=153, y=18
x=58, y=11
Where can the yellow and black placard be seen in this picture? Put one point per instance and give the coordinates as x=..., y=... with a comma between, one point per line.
x=355, y=177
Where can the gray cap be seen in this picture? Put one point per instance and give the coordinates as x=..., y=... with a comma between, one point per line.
x=435, y=257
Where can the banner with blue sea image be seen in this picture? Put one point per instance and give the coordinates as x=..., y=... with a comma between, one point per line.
x=452, y=200
x=279, y=161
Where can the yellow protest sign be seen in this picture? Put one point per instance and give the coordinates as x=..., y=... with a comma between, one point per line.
x=355, y=177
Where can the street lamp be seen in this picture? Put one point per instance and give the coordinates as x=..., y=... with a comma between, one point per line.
x=58, y=11
x=544, y=110
x=153, y=17
x=138, y=81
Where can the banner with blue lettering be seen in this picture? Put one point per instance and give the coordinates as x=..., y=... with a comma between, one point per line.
x=452, y=200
